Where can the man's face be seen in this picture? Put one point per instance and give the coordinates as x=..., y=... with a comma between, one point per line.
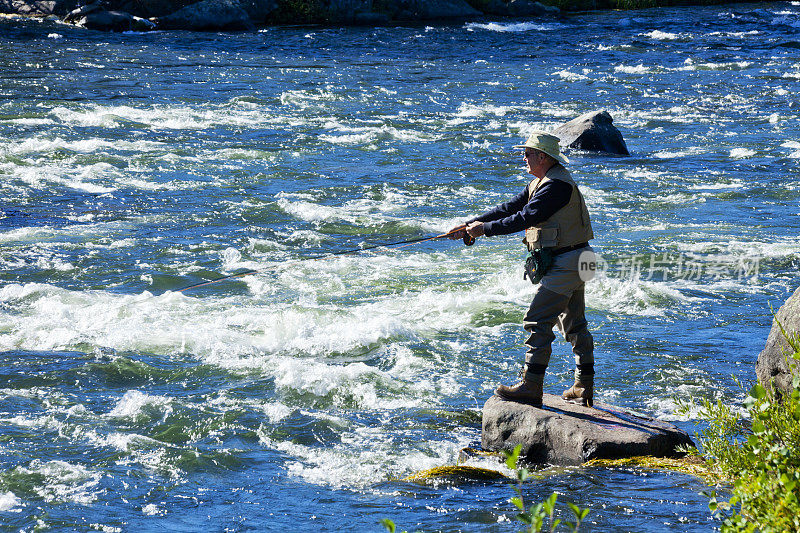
x=532, y=159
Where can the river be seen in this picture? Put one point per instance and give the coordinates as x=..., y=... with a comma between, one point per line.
x=134, y=164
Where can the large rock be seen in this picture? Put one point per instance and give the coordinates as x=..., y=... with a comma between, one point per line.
x=258, y=10
x=207, y=15
x=345, y=11
x=565, y=433
x=593, y=131
x=438, y=9
x=113, y=21
x=518, y=8
x=33, y=8
x=150, y=8
x=526, y=8
x=771, y=365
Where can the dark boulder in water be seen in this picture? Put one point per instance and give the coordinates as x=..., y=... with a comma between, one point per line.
x=79, y=12
x=114, y=21
x=565, y=433
x=771, y=366
x=593, y=131
x=358, y=12
x=207, y=15
x=436, y=9
x=518, y=8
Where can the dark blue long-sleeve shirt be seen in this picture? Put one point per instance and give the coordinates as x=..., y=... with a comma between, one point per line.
x=519, y=214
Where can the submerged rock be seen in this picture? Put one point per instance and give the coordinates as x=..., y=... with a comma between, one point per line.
x=456, y=474
x=771, y=365
x=565, y=433
x=593, y=131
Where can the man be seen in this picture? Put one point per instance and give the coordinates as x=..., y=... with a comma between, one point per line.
x=553, y=214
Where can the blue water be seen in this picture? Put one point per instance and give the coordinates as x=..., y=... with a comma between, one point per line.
x=132, y=165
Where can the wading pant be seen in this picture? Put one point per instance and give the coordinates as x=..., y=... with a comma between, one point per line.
x=558, y=301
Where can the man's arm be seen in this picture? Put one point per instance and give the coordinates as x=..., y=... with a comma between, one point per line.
x=550, y=197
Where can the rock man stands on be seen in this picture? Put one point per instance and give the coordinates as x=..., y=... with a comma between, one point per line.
x=553, y=214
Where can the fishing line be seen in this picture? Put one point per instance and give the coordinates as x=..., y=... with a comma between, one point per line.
x=468, y=240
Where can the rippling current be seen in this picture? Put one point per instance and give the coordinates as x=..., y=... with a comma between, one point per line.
x=133, y=165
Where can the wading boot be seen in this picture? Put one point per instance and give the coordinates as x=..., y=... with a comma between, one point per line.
x=529, y=390
x=581, y=392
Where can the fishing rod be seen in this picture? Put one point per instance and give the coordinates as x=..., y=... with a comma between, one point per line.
x=468, y=240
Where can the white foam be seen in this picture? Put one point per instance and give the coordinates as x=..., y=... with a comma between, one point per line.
x=63, y=481
x=668, y=407
x=734, y=250
x=106, y=528
x=162, y=116
x=742, y=153
x=474, y=110
x=152, y=509
x=124, y=442
x=513, y=27
x=45, y=234
x=733, y=184
x=10, y=503
x=629, y=294
x=277, y=411
x=133, y=401
x=690, y=65
x=632, y=69
x=570, y=76
x=661, y=35
x=84, y=146
x=371, y=135
x=734, y=34
x=675, y=154
x=367, y=455
x=31, y=121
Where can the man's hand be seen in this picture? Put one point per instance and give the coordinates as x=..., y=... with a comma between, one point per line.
x=475, y=229
x=457, y=232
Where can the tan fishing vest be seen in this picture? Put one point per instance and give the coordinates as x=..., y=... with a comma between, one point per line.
x=568, y=226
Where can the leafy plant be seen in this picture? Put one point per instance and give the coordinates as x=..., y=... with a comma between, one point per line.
x=760, y=459
x=535, y=515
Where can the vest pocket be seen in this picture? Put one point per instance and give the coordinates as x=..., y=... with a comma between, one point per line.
x=549, y=237
x=542, y=237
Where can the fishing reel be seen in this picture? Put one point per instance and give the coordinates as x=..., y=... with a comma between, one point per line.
x=469, y=240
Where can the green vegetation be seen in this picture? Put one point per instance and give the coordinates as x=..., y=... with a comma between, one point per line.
x=761, y=459
x=689, y=464
x=535, y=516
x=456, y=473
x=298, y=12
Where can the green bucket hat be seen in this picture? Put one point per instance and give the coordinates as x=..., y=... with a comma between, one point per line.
x=544, y=142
